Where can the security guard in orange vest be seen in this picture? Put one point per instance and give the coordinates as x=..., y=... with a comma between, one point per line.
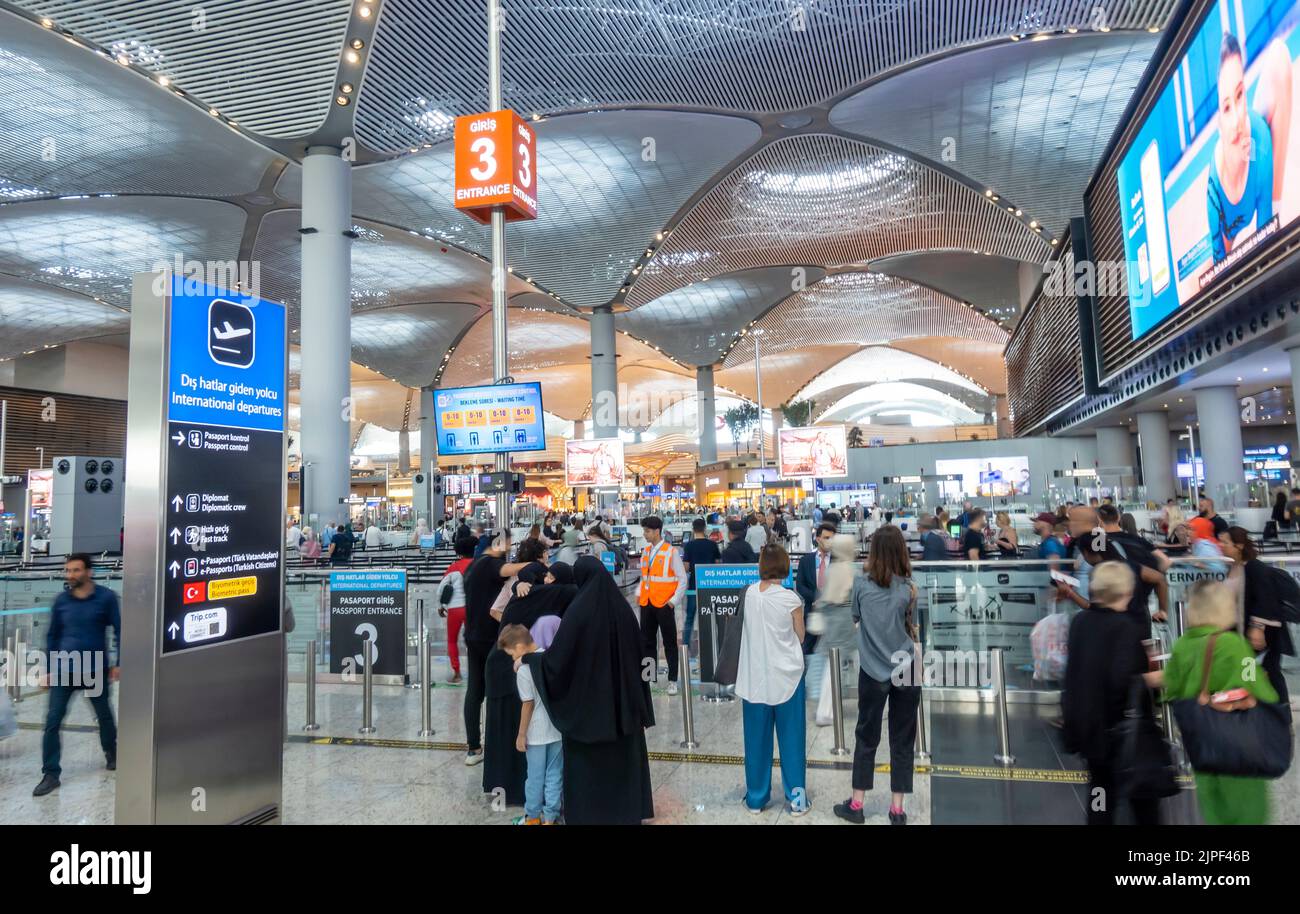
x=663, y=589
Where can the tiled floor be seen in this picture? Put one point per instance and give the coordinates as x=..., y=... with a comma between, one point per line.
x=334, y=776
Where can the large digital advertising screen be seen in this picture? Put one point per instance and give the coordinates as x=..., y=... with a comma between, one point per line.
x=489, y=419
x=1211, y=174
x=1003, y=477
x=594, y=462
x=820, y=451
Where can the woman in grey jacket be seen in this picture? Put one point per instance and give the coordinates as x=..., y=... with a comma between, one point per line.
x=884, y=606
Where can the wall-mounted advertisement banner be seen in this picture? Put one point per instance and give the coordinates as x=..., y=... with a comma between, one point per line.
x=821, y=451
x=1210, y=177
x=1003, y=477
x=368, y=603
x=489, y=419
x=593, y=462
x=224, y=483
x=41, y=484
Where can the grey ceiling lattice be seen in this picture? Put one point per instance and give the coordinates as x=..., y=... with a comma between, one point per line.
x=35, y=316
x=823, y=199
x=93, y=246
x=268, y=64
x=75, y=123
x=601, y=195
x=1028, y=119
x=696, y=324
x=429, y=58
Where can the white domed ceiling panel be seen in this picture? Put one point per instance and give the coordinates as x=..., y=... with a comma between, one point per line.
x=407, y=342
x=35, y=316
x=697, y=324
x=607, y=183
x=94, y=245
x=816, y=198
x=1026, y=119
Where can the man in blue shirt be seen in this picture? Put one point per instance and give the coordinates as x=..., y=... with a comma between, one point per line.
x=1049, y=546
x=934, y=547
x=77, y=655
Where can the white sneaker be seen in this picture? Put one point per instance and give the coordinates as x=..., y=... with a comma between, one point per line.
x=474, y=758
x=672, y=688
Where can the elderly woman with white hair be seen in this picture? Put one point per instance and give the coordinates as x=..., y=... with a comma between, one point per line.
x=1211, y=636
x=1105, y=654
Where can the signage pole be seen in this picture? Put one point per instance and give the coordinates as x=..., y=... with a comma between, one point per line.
x=500, y=355
x=758, y=383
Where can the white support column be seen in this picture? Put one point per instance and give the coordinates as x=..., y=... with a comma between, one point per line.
x=707, y=415
x=1157, y=456
x=326, y=334
x=1219, y=413
x=428, y=431
x=604, y=374
x=1295, y=392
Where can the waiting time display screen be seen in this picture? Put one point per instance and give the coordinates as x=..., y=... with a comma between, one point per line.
x=1212, y=174
x=489, y=419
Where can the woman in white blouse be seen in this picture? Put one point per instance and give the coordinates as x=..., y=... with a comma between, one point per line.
x=769, y=681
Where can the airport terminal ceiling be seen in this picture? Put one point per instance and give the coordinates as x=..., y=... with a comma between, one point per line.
x=857, y=178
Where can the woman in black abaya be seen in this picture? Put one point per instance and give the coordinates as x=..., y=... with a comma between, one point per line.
x=503, y=765
x=590, y=681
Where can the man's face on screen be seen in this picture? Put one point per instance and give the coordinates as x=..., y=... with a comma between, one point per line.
x=1234, y=124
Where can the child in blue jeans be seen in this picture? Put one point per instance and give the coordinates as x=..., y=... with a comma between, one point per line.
x=538, y=739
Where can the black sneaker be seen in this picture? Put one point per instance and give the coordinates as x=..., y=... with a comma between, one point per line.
x=110, y=761
x=897, y=818
x=846, y=812
x=48, y=784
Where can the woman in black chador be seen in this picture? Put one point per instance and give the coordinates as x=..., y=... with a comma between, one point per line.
x=590, y=681
x=503, y=765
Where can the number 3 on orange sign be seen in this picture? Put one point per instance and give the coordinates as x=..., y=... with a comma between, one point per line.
x=525, y=167
x=485, y=147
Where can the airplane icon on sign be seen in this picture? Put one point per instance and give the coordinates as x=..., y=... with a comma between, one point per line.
x=227, y=332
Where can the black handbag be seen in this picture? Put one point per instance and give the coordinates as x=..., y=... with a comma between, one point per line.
x=727, y=667
x=1143, y=764
x=1253, y=741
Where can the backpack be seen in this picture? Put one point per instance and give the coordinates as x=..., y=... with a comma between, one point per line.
x=1287, y=592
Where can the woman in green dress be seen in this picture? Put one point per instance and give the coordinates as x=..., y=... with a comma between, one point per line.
x=1212, y=610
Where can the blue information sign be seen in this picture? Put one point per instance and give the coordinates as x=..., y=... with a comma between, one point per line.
x=489, y=419
x=224, y=545
x=226, y=359
x=718, y=592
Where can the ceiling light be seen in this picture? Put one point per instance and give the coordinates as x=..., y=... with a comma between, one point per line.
x=352, y=56
x=1019, y=213
x=48, y=23
x=1033, y=224
x=214, y=112
x=357, y=44
x=346, y=88
x=364, y=12
x=164, y=81
x=1072, y=30
x=343, y=100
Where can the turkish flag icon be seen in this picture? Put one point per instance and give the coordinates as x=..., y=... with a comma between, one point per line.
x=196, y=592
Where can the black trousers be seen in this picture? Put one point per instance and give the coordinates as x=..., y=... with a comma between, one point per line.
x=477, y=653
x=1103, y=798
x=656, y=620
x=903, y=702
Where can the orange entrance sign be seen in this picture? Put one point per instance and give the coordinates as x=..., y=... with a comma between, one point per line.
x=496, y=165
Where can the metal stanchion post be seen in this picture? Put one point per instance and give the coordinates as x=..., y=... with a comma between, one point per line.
x=20, y=663
x=309, y=679
x=837, y=699
x=688, y=713
x=922, y=738
x=367, y=687
x=1003, y=755
x=426, y=685
x=419, y=636
x=11, y=664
